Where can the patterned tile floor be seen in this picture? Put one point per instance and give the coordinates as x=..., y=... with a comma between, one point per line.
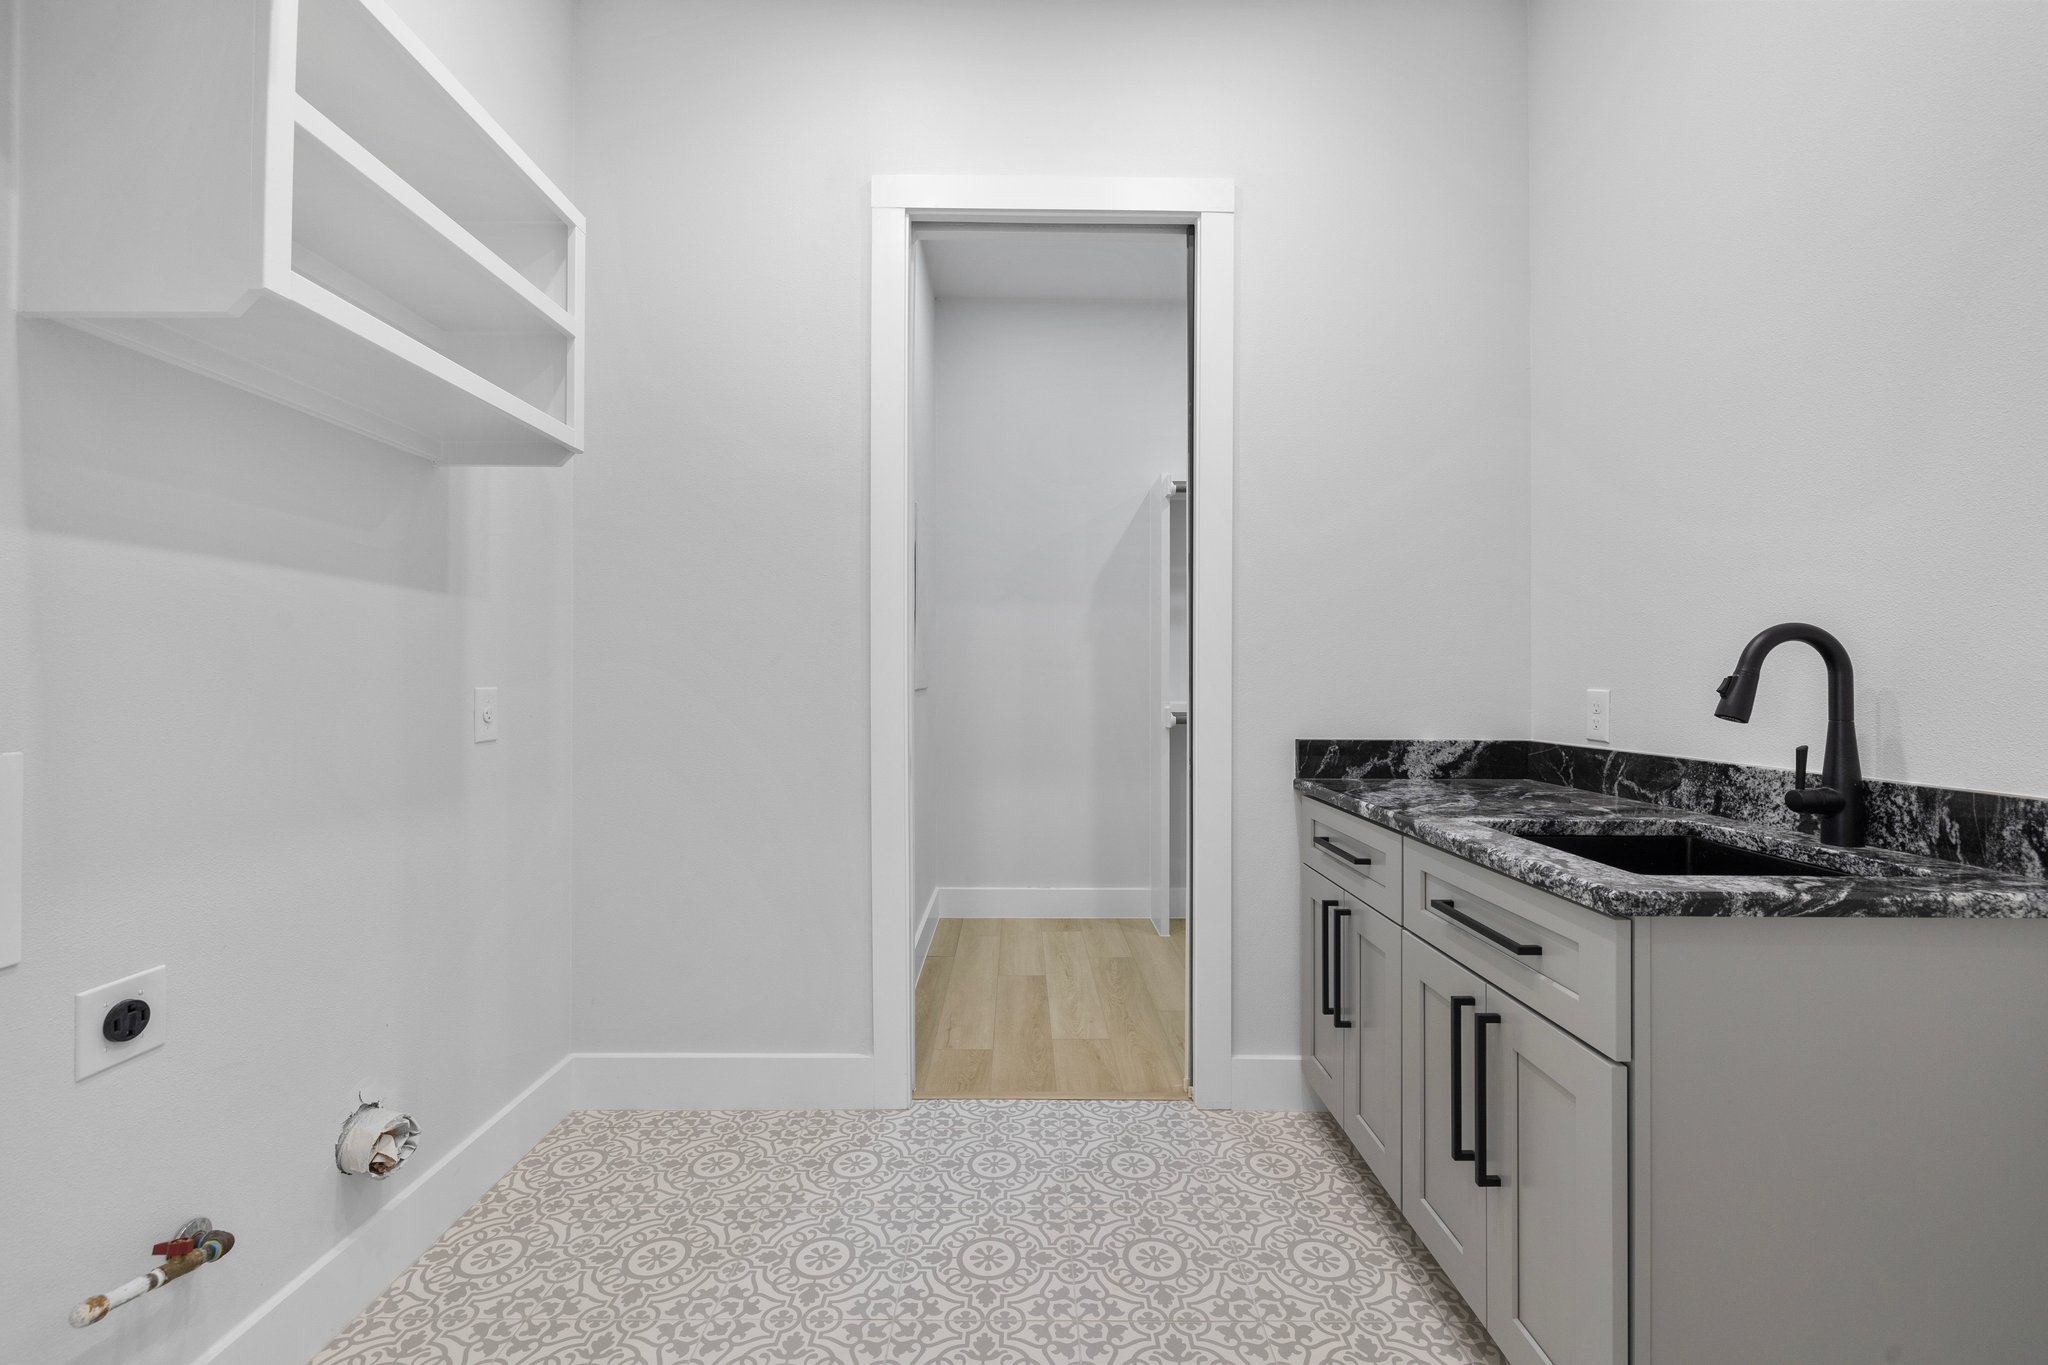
x=1022, y=1232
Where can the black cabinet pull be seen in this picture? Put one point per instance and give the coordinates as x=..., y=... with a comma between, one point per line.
x=1479, y=1175
x=1323, y=842
x=1449, y=910
x=1328, y=1008
x=1337, y=970
x=1459, y=1004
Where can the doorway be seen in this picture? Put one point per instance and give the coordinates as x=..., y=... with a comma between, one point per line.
x=1102, y=920
x=1050, y=482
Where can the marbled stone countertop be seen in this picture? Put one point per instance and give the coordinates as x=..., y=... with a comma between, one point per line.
x=1477, y=819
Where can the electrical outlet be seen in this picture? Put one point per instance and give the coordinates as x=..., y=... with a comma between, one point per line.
x=486, y=730
x=1598, y=714
x=95, y=1049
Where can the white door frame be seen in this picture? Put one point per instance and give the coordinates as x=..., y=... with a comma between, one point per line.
x=1208, y=206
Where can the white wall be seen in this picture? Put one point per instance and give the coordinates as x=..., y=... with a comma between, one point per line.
x=1790, y=321
x=724, y=156
x=1054, y=422
x=236, y=645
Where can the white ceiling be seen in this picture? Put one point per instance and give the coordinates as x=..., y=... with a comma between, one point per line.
x=1133, y=265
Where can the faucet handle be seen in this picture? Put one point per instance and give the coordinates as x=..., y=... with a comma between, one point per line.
x=1811, y=800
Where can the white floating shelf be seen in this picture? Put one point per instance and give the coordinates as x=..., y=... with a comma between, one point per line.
x=340, y=227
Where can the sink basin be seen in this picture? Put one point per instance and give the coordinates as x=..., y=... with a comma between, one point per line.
x=1677, y=855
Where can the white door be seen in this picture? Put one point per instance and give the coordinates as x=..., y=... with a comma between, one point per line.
x=1322, y=1040
x=1556, y=1137
x=1440, y=1193
x=1372, y=1045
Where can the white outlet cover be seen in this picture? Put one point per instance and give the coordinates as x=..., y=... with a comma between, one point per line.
x=486, y=729
x=1599, y=714
x=93, y=1052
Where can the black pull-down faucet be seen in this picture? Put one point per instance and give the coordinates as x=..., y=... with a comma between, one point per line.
x=1838, y=800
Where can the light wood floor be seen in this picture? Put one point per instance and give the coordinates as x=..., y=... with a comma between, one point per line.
x=1053, y=1009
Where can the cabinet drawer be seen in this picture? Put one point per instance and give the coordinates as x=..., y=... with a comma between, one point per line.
x=1578, y=974
x=1358, y=855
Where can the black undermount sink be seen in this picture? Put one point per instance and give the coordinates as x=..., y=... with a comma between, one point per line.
x=1677, y=855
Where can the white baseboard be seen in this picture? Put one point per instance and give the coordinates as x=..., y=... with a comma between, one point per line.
x=927, y=928
x=1258, y=1082
x=1043, y=902
x=303, y=1316
x=725, y=1080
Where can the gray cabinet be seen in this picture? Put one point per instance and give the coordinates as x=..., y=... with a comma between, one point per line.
x=1323, y=1024
x=1519, y=1189
x=1706, y=1139
x=1443, y=1203
x=1371, y=968
x=1556, y=1137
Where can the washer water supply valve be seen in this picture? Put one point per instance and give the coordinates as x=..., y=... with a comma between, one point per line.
x=375, y=1141
x=195, y=1244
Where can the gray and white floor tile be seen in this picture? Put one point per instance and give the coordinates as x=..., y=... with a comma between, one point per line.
x=1027, y=1232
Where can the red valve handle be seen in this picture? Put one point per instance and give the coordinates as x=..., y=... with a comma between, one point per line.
x=179, y=1247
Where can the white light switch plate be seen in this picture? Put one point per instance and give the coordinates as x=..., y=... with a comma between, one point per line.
x=10, y=859
x=486, y=714
x=1599, y=714
x=94, y=1052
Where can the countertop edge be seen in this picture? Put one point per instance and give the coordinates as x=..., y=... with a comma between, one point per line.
x=1451, y=815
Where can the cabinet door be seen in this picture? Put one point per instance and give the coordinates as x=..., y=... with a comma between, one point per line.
x=1372, y=1045
x=1322, y=1040
x=1555, y=1135
x=1445, y=1204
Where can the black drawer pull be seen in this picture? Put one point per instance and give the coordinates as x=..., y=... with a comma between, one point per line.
x=1337, y=970
x=1323, y=842
x=1450, y=910
x=1327, y=906
x=1479, y=1175
x=1459, y=1004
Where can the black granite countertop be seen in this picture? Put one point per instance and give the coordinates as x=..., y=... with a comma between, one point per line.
x=1478, y=819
